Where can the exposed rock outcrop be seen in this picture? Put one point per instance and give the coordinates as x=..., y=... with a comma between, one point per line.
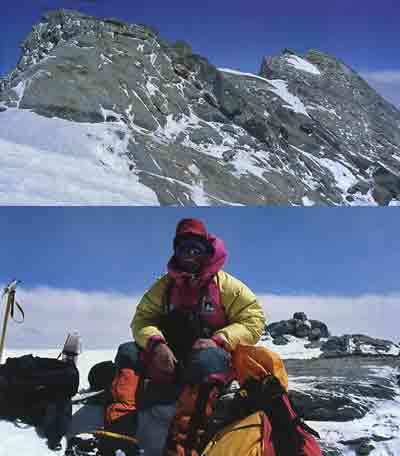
x=299, y=326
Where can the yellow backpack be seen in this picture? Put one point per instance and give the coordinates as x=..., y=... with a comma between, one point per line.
x=250, y=436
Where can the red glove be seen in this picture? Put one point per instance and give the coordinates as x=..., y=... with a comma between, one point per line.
x=201, y=344
x=162, y=364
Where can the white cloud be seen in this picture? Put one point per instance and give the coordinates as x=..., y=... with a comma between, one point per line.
x=373, y=315
x=103, y=318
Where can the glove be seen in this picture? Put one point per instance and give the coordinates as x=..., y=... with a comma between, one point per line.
x=201, y=344
x=162, y=364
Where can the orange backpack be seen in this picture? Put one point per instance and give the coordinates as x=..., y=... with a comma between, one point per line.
x=262, y=421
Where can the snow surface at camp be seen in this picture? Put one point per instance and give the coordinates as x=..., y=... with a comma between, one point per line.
x=295, y=349
x=384, y=419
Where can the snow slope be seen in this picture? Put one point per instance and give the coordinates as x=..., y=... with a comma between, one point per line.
x=295, y=349
x=59, y=162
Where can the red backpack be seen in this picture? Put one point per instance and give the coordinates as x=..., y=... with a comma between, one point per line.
x=257, y=419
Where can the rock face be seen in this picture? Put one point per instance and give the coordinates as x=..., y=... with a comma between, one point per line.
x=308, y=130
x=358, y=344
x=348, y=394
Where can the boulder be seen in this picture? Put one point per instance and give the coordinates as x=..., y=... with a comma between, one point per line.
x=300, y=316
x=281, y=328
x=315, y=324
x=303, y=328
x=315, y=334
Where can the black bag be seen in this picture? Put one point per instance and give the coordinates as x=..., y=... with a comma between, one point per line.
x=38, y=391
x=101, y=375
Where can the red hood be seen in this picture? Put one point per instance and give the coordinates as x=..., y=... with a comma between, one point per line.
x=213, y=265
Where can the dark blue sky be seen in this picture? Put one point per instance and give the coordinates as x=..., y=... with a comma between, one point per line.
x=238, y=33
x=340, y=251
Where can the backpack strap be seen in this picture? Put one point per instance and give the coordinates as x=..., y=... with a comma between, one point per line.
x=167, y=295
x=299, y=421
x=20, y=309
x=198, y=418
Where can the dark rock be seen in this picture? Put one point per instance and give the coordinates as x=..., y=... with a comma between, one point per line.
x=210, y=99
x=181, y=70
x=205, y=134
x=356, y=344
x=280, y=340
x=365, y=448
x=281, y=328
x=387, y=184
x=340, y=389
x=362, y=445
x=315, y=324
x=300, y=316
x=330, y=450
x=229, y=98
x=303, y=328
x=313, y=344
x=315, y=334
x=336, y=344
x=307, y=129
x=327, y=407
x=229, y=129
x=229, y=155
x=361, y=186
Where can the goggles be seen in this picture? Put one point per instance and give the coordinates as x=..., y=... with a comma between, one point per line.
x=192, y=248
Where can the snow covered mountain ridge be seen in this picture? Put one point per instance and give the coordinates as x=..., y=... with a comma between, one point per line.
x=114, y=114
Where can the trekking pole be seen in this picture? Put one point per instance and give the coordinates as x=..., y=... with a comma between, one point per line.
x=9, y=292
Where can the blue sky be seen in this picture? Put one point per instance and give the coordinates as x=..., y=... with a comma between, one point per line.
x=86, y=268
x=276, y=250
x=237, y=34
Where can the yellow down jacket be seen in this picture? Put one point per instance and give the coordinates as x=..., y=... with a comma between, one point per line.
x=246, y=320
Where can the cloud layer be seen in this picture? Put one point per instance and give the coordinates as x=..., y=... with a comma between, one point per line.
x=103, y=319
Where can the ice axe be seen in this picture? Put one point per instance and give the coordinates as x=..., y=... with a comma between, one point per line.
x=9, y=293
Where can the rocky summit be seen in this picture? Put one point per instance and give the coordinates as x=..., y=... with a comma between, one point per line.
x=307, y=130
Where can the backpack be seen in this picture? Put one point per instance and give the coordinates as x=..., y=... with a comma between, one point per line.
x=38, y=391
x=251, y=436
x=257, y=418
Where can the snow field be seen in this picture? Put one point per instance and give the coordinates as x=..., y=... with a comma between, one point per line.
x=54, y=161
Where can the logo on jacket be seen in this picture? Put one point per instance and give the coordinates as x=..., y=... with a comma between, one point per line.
x=208, y=307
